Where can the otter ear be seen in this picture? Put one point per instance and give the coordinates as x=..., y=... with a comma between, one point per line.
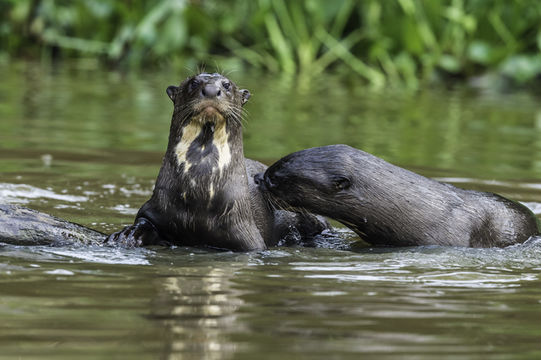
x=245, y=94
x=172, y=91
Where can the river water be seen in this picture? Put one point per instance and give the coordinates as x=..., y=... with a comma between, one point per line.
x=86, y=145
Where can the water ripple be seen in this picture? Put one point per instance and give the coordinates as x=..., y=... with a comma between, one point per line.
x=88, y=254
x=21, y=193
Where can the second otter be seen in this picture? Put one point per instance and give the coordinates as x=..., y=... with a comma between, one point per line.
x=390, y=206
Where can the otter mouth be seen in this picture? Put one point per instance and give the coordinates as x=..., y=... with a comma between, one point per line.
x=206, y=111
x=209, y=107
x=263, y=182
x=210, y=111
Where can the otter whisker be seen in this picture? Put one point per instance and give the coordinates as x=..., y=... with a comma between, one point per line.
x=201, y=67
x=190, y=70
x=280, y=204
x=227, y=73
x=217, y=67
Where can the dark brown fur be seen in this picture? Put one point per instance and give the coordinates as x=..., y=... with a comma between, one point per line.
x=204, y=194
x=387, y=205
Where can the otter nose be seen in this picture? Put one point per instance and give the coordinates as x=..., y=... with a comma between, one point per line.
x=258, y=178
x=210, y=91
x=263, y=182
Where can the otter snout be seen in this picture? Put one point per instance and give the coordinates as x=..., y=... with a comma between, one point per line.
x=263, y=182
x=259, y=179
x=211, y=91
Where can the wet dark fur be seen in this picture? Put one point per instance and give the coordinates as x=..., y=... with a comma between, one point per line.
x=390, y=206
x=22, y=226
x=195, y=204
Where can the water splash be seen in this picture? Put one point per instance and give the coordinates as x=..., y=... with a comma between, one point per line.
x=125, y=209
x=70, y=254
x=432, y=266
x=22, y=194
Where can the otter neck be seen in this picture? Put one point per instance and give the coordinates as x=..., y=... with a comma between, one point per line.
x=204, y=156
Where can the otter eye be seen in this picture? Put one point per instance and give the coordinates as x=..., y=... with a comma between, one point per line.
x=341, y=182
x=194, y=83
x=226, y=85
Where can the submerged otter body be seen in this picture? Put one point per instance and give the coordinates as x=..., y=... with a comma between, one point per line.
x=390, y=206
x=205, y=194
x=23, y=226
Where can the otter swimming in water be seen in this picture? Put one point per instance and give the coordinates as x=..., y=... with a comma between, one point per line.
x=205, y=194
x=390, y=206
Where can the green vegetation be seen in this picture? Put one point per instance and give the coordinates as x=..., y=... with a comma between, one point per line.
x=384, y=42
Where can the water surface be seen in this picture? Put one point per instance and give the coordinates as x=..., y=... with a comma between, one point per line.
x=86, y=145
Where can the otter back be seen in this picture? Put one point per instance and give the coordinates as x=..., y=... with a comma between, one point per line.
x=388, y=205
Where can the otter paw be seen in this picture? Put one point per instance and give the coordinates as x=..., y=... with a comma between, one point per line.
x=128, y=237
x=142, y=233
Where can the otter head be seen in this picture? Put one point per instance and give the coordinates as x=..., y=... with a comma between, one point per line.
x=312, y=179
x=208, y=98
x=206, y=129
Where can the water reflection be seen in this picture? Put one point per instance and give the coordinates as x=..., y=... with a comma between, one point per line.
x=198, y=307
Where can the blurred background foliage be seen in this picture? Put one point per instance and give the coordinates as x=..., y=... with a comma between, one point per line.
x=405, y=42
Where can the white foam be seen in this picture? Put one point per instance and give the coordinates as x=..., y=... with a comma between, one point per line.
x=124, y=209
x=60, y=272
x=103, y=255
x=22, y=193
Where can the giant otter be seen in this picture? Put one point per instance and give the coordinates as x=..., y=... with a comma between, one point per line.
x=390, y=206
x=204, y=194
